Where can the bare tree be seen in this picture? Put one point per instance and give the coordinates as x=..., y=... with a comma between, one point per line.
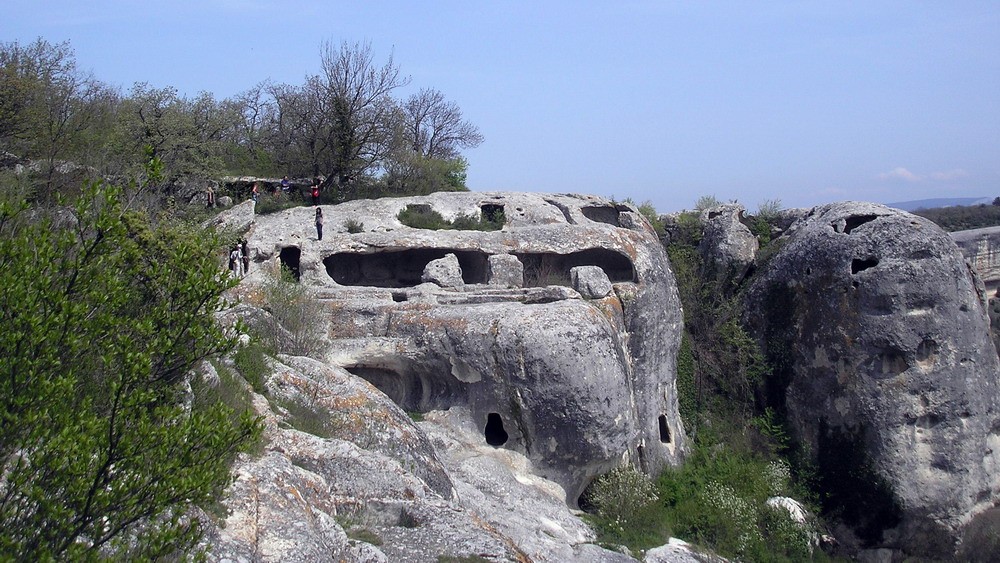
x=435, y=128
x=362, y=109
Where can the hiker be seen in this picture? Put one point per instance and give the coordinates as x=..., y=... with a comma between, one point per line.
x=254, y=192
x=315, y=191
x=236, y=261
x=319, y=223
x=245, y=252
x=210, y=194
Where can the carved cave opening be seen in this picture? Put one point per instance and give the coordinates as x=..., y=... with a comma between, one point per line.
x=493, y=213
x=400, y=268
x=602, y=214
x=855, y=221
x=664, y=429
x=495, y=433
x=545, y=268
x=289, y=257
x=411, y=390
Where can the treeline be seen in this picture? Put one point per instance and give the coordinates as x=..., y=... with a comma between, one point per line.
x=344, y=124
x=964, y=217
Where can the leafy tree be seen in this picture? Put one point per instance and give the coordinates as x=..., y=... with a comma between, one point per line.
x=102, y=316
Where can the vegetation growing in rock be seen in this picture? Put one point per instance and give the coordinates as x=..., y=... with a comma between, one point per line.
x=103, y=315
x=421, y=216
x=742, y=454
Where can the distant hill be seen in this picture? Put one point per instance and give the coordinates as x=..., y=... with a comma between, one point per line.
x=939, y=202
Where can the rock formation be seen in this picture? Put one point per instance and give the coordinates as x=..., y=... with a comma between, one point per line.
x=728, y=248
x=489, y=323
x=879, y=335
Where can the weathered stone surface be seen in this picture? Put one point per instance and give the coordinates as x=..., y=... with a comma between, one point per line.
x=237, y=219
x=728, y=248
x=445, y=272
x=578, y=386
x=881, y=334
x=375, y=476
x=679, y=551
x=505, y=270
x=982, y=248
x=591, y=282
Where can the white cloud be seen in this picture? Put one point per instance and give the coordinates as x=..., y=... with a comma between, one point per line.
x=899, y=173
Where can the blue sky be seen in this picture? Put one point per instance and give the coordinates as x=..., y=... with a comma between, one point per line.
x=665, y=101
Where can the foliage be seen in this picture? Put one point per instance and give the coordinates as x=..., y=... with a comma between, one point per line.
x=421, y=216
x=647, y=210
x=342, y=124
x=706, y=202
x=102, y=316
x=626, y=509
x=251, y=361
x=962, y=217
x=717, y=499
x=354, y=226
x=292, y=328
x=769, y=210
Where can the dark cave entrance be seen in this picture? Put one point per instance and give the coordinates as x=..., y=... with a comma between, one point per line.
x=290, y=256
x=664, y=429
x=547, y=268
x=496, y=436
x=400, y=268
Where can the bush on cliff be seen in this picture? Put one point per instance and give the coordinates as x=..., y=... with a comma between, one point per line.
x=102, y=317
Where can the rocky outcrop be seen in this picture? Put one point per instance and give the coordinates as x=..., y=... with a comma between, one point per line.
x=576, y=382
x=879, y=336
x=346, y=475
x=727, y=248
x=982, y=248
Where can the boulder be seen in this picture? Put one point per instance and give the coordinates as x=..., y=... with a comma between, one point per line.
x=505, y=270
x=590, y=281
x=727, y=247
x=878, y=332
x=445, y=272
x=576, y=386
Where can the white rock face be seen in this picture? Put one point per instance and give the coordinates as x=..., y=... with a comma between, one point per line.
x=489, y=321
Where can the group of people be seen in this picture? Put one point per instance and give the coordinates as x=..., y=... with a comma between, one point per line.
x=239, y=258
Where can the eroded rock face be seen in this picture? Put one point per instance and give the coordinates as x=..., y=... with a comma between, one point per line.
x=728, y=248
x=885, y=366
x=577, y=385
x=346, y=475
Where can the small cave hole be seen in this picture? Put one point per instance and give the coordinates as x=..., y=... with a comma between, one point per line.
x=664, y=429
x=859, y=265
x=289, y=257
x=399, y=296
x=809, y=271
x=495, y=434
x=855, y=221
x=493, y=213
x=602, y=214
x=714, y=214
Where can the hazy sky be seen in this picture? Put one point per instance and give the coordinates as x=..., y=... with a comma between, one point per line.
x=659, y=100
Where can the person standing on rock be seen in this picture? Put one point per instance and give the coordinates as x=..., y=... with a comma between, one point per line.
x=245, y=254
x=210, y=194
x=254, y=192
x=315, y=191
x=236, y=261
x=319, y=223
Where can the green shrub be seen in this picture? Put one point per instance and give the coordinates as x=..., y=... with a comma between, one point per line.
x=293, y=328
x=421, y=216
x=353, y=226
x=251, y=362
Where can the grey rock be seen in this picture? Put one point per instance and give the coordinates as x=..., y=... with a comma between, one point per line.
x=981, y=247
x=505, y=270
x=578, y=386
x=883, y=338
x=236, y=219
x=679, y=551
x=591, y=282
x=445, y=272
x=728, y=248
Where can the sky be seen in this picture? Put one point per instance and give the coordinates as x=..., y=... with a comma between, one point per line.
x=665, y=101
